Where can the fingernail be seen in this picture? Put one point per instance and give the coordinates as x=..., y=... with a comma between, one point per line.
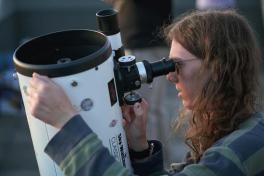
x=35, y=74
x=137, y=105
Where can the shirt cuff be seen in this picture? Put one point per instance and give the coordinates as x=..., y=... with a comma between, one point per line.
x=152, y=164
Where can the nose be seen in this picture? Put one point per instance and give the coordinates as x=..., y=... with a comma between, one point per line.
x=172, y=77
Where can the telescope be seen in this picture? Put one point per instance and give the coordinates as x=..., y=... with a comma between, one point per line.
x=97, y=76
x=129, y=75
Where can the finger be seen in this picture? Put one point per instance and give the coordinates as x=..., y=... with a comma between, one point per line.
x=36, y=98
x=37, y=78
x=47, y=81
x=144, y=103
x=42, y=85
x=138, y=109
x=124, y=123
x=36, y=82
x=126, y=112
x=32, y=106
x=42, y=77
x=127, y=117
x=32, y=83
x=31, y=92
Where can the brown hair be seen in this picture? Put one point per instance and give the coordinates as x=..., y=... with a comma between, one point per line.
x=225, y=43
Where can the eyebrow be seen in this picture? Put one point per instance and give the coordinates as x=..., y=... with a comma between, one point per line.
x=179, y=60
x=175, y=58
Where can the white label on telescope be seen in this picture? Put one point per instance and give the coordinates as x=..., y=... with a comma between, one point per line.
x=117, y=148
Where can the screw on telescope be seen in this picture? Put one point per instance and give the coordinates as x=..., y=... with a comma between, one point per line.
x=63, y=60
x=137, y=83
x=74, y=83
x=87, y=104
x=126, y=61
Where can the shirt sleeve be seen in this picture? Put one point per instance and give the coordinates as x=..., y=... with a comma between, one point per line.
x=78, y=151
x=220, y=161
x=153, y=165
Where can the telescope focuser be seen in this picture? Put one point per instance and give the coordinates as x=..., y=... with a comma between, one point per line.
x=130, y=74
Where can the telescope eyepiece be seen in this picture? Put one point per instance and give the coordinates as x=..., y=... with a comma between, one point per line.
x=130, y=75
x=158, y=68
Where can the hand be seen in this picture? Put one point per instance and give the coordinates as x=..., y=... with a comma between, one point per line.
x=135, y=124
x=48, y=101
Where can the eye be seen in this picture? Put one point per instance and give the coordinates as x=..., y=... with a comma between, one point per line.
x=179, y=63
x=178, y=66
x=176, y=59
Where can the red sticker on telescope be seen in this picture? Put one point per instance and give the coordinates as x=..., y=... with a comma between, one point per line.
x=112, y=92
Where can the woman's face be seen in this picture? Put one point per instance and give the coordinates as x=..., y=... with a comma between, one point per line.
x=186, y=80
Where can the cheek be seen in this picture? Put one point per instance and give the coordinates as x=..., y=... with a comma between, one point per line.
x=188, y=94
x=188, y=89
x=188, y=82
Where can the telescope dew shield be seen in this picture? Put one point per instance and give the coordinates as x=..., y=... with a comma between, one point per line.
x=81, y=62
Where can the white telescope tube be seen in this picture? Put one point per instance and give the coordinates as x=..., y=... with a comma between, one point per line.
x=84, y=69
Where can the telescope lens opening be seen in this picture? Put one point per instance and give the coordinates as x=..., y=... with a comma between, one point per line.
x=61, y=47
x=62, y=53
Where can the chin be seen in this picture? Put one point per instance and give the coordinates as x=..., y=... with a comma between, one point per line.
x=187, y=105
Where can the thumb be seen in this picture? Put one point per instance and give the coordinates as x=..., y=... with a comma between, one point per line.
x=138, y=109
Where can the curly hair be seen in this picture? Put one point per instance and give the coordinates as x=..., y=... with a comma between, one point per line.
x=227, y=47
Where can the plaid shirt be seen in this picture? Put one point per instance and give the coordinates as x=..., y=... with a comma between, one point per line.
x=79, y=152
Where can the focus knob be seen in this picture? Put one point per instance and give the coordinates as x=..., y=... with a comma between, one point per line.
x=132, y=98
x=127, y=61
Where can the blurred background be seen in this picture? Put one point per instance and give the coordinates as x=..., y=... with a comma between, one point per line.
x=21, y=20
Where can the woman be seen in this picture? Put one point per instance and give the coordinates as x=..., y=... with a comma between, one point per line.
x=217, y=77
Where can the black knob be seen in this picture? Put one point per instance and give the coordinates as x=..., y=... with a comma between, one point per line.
x=126, y=61
x=132, y=98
